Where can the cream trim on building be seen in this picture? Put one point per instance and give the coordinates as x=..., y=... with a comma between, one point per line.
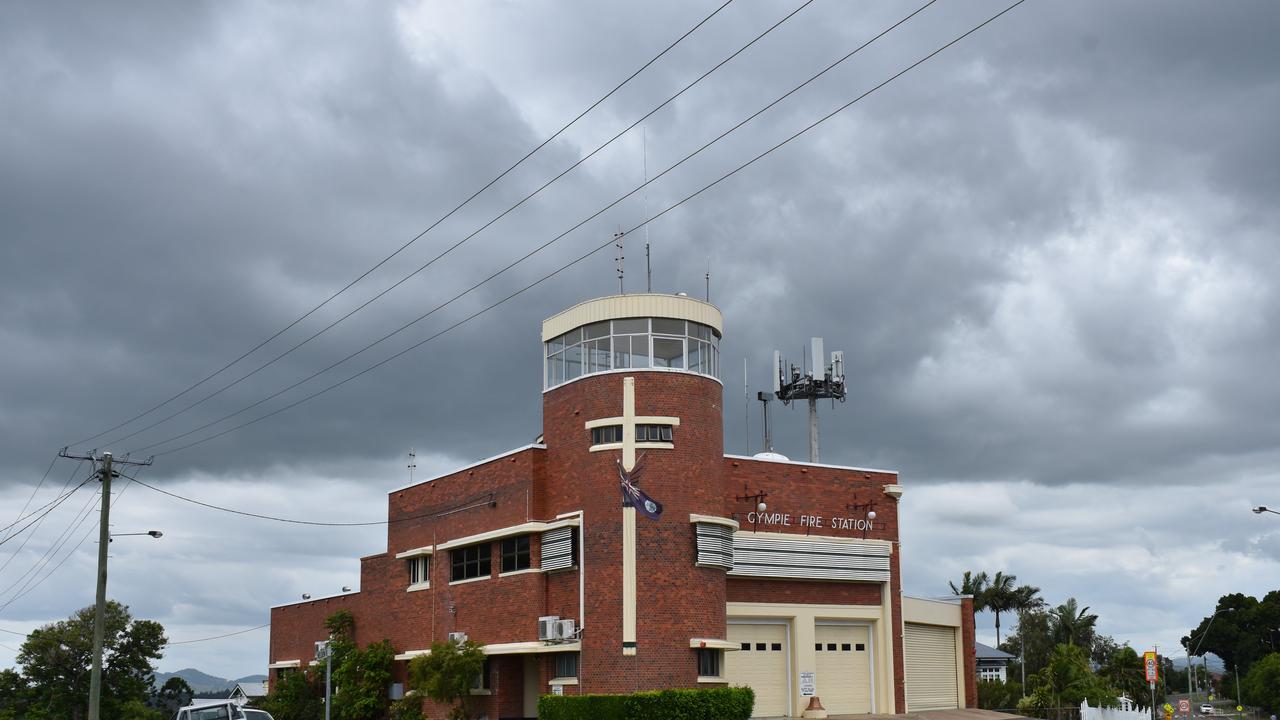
x=536, y=646
x=713, y=520
x=522, y=529
x=416, y=552
x=637, y=305
x=281, y=664
x=712, y=644
x=809, y=557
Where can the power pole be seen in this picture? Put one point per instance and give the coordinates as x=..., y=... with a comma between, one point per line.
x=105, y=474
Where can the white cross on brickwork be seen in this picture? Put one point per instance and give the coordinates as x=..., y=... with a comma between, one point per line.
x=629, y=421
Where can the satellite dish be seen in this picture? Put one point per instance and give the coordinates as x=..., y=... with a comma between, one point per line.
x=771, y=456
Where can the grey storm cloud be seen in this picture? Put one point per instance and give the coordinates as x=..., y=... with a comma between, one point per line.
x=1048, y=255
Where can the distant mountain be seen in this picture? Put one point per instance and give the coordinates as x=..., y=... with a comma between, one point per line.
x=1215, y=663
x=203, y=682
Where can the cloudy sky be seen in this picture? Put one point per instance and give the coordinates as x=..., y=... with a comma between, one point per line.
x=1049, y=254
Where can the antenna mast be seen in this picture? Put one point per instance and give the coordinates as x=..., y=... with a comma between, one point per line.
x=817, y=383
x=648, y=271
x=617, y=242
x=413, y=464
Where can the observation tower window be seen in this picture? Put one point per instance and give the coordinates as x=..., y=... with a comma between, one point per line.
x=632, y=343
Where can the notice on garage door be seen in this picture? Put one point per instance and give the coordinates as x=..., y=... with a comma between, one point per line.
x=808, y=684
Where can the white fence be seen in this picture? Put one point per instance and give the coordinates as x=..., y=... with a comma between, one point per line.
x=1092, y=713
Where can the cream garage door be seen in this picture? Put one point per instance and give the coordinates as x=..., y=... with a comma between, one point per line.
x=761, y=663
x=931, y=667
x=844, y=668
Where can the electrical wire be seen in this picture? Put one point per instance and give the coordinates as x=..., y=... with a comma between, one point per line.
x=28, y=590
x=54, y=548
x=15, y=553
x=489, y=499
x=475, y=232
x=40, y=484
x=536, y=250
x=217, y=637
x=417, y=237
x=11, y=632
x=54, y=505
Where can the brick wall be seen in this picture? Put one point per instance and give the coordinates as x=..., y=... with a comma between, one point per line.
x=676, y=601
x=970, y=651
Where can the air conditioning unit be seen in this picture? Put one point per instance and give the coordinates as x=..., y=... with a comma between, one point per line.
x=547, y=627
x=565, y=630
x=457, y=637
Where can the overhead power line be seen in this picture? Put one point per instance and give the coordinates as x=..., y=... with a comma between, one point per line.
x=475, y=501
x=77, y=519
x=217, y=637
x=531, y=253
x=75, y=471
x=31, y=587
x=473, y=233
x=420, y=235
x=40, y=484
x=51, y=507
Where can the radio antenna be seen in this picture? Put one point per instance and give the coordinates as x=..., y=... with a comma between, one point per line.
x=617, y=242
x=644, y=145
x=818, y=382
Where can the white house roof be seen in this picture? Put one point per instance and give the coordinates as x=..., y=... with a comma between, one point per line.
x=252, y=689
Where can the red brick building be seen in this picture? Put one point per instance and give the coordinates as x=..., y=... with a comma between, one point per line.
x=558, y=559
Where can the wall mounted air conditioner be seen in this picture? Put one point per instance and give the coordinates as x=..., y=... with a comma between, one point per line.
x=547, y=627
x=457, y=637
x=565, y=630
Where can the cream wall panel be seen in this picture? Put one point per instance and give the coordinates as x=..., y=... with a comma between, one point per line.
x=635, y=305
x=763, y=667
x=930, y=612
x=844, y=671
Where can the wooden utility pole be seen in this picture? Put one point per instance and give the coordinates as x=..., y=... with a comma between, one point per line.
x=105, y=474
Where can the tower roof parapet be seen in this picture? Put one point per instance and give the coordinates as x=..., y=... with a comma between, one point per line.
x=613, y=307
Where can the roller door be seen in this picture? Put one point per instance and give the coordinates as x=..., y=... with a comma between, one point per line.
x=761, y=663
x=931, y=667
x=843, y=655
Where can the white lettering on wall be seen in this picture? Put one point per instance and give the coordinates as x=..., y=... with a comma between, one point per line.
x=810, y=521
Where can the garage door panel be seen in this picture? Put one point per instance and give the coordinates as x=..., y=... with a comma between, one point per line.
x=843, y=655
x=761, y=663
x=930, y=652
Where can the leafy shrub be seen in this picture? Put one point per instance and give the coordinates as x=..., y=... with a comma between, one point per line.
x=709, y=704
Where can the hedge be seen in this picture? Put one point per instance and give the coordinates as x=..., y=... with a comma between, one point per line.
x=710, y=704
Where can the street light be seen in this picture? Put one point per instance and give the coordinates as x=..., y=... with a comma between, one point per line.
x=1196, y=652
x=1263, y=508
x=153, y=533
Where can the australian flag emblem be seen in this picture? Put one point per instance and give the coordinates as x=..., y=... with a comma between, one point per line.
x=633, y=496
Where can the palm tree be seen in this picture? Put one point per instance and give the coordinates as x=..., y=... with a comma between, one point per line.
x=974, y=584
x=1072, y=623
x=1002, y=596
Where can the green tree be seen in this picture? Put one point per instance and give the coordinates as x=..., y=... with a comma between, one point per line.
x=1032, y=642
x=974, y=584
x=56, y=658
x=1001, y=596
x=361, y=674
x=1242, y=630
x=1066, y=680
x=447, y=674
x=174, y=694
x=296, y=696
x=1262, y=685
x=13, y=695
x=1072, y=624
x=1124, y=671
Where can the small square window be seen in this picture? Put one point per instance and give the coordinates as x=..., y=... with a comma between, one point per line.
x=831, y=647
x=817, y=646
x=746, y=646
x=760, y=646
x=776, y=647
x=846, y=647
x=860, y=647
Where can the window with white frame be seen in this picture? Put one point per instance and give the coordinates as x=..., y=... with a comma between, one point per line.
x=653, y=433
x=632, y=343
x=419, y=570
x=469, y=562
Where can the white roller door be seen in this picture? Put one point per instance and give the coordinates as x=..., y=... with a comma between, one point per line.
x=761, y=664
x=931, y=667
x=843, y=655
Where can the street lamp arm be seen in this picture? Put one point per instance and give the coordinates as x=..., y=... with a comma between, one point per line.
x=1263, y=508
